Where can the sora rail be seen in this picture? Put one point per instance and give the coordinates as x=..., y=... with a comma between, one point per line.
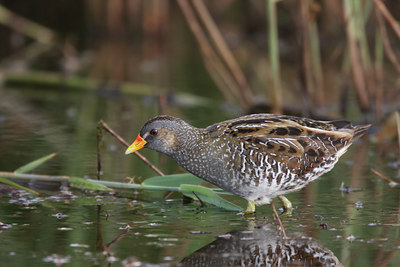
x=258, y=157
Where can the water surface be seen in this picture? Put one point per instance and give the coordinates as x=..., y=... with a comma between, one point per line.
x=72, y=227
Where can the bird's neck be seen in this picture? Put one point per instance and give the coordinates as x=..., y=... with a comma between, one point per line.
x=191, y=145
x=195, y=156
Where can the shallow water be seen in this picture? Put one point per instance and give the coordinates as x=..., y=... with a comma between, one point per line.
x=357, y=228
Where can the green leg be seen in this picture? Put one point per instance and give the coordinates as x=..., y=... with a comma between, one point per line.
x=251, y=207
x=286, y=204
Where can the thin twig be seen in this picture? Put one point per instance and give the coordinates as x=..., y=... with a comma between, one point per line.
x=99, y=133
x=383, y=176
x=111, y=131
x=167, y=195
x=201, y=201
x=122, y=141
x=118, y=238
x=280, y=253
x=276, y=216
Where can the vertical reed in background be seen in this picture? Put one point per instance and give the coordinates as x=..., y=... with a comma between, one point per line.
x=273, y=51
x=226, y=55
x=378, y=70
x=221, y=75
x=310, y=68
x=155, y=27
x=357, y=60
x=316, y=63
x=381, y=11
x=398, y=137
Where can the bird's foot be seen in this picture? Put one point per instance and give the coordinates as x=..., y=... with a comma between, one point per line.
x=251, y=207
x=250, y=210
x=287, y=205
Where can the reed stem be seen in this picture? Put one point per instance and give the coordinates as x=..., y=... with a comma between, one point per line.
x=273, y=51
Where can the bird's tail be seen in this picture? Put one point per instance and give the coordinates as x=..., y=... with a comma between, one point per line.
x=359, y=131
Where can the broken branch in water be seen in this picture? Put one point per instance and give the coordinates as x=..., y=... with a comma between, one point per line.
x=391, y=182
x=122, y=141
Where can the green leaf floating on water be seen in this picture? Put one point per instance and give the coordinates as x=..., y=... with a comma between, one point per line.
x=12, y=184
x=207, y=195
x=173, y=180
x=81, y=183
x=34, y=164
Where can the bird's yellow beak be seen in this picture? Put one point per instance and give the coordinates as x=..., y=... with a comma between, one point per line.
x=136, y=145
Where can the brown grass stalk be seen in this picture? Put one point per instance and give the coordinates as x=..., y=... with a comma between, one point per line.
x=225, y=52
x=379, y=73
x=355, y=59
x=306, y=68
x=385, y=40
x=390, y=19
x=210, y=56
x=398, y=132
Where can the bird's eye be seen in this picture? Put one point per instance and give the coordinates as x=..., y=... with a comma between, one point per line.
x=153, y=132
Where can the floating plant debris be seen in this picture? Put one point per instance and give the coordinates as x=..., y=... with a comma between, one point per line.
x=324, y=226
x=77, y=245
x=60, y=215
x=348, y=189
x=351, y=238
x=359, y=205
x=199, y=232
x=57, y=259
x=4, y=226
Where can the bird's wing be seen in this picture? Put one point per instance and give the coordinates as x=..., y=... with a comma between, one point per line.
x=296, y=141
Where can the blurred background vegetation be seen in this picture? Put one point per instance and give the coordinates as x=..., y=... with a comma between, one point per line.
x=311, y=58
x=66, y=64
x=128, y=60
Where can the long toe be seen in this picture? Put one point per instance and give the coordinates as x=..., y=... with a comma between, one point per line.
x=287, y=205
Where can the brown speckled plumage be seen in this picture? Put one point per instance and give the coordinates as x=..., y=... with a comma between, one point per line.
x=257, y=157
x=262, y=246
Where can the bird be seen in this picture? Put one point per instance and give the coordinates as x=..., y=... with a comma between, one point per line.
x=260, y=245
x=258, y=157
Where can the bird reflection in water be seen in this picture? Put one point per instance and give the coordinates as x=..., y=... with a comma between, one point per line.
x=262, y=246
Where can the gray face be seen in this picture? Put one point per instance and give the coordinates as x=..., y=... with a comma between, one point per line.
x=160, y=133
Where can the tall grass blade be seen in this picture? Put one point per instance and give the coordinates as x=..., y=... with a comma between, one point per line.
x=12, y=184
x=207, y=195
x=357, y=69
x=317, y=63
x=86, y=184
x=173, y=180
x=34, y=164
x=274, y=55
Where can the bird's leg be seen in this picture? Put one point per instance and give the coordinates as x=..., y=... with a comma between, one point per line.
x=276, y=217
x=287, y=205
x=251, y=207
